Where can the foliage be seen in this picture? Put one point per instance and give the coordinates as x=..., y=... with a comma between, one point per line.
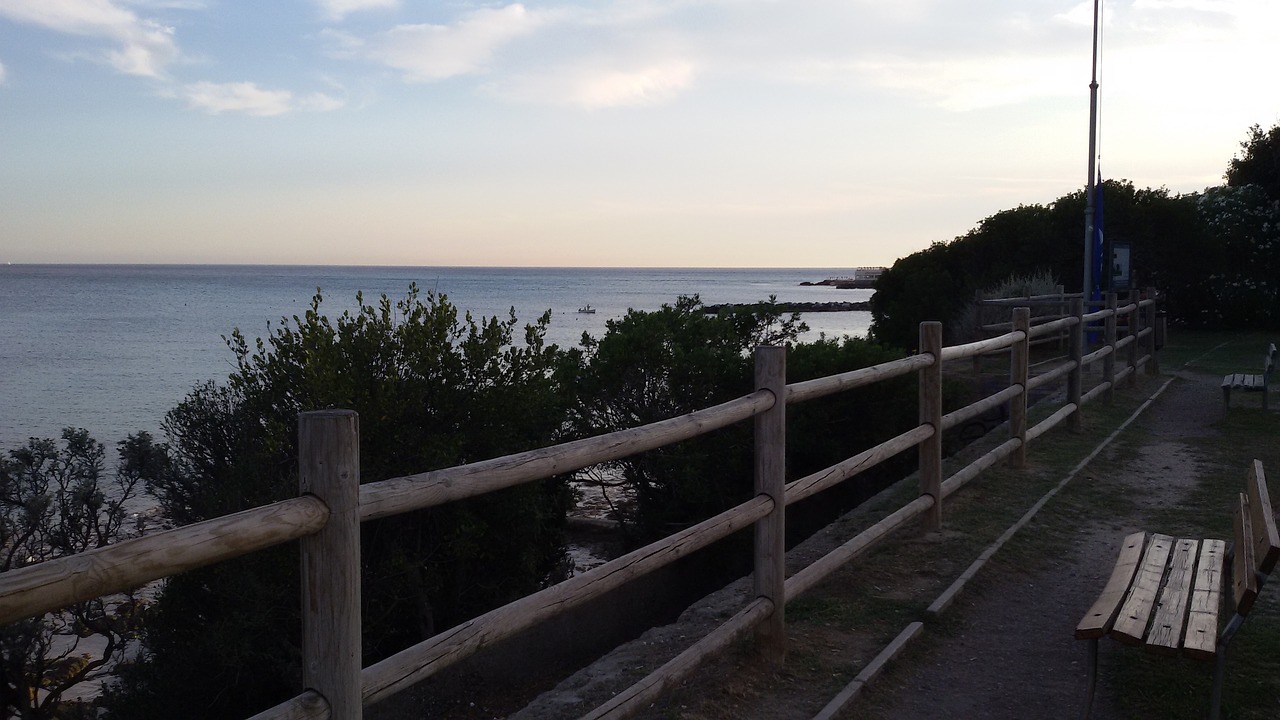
x=431, y=391
x=823, y=432
x=55, y=501
x=1260, y=164
x=1211, y=253
x=1239, y=283
x=1041, y=283
x=650, y=366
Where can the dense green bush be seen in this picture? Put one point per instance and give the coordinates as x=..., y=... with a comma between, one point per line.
x=56, y=500
x=431, y=391
x=1212, y=253
x=823, y=432
x=650, y=366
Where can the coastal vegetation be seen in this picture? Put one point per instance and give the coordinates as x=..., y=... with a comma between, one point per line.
x=1215, y=253
x=56, y=499
x=434, y=389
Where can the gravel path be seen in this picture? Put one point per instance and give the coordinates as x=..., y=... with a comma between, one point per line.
x=1014, y=655
x=1004, y=648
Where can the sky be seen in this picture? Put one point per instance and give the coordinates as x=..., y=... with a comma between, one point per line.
x=653, y=133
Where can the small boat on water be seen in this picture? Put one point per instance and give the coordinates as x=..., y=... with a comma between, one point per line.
x=587, y=309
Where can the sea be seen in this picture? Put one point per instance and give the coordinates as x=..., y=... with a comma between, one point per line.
x=112, y=348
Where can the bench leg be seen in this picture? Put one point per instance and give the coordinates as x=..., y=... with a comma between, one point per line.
x=1219, y=669
x=1093, y=679
x=1226, y=395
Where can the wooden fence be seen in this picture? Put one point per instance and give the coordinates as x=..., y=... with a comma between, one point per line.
x=332, y=503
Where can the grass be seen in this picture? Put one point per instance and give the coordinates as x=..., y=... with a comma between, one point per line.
x=1159, y=688
x=837, y=628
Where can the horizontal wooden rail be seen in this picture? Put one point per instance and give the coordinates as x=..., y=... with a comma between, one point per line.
x=1050, y=422
x=128, y=564
x=1098, y=354
x=1094, y=393
x=973, y=469
x=1033, y=300
x=642, y=694
x=307, y=706
x=1054, y=326
x=1038, y=322
x=1048, y=377
x=957, y=417
x=1097, y=315
x=385, y=678
x=981, y=347
x=817, y=571
x=1124, y=341
x=811, y=389
x=798, y=490
x=1122, y=373
x=437, y=487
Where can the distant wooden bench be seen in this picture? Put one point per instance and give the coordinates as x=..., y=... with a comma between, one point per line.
x=1243, y=381
x=1165, y=594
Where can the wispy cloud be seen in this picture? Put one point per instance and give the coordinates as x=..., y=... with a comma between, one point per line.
x=249, y=99
x=593, y=87
x=429, y=52
x=1, y=73
x=338, y=10
x=141, y=47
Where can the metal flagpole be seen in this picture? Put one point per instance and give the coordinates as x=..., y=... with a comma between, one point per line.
x=1093, y=156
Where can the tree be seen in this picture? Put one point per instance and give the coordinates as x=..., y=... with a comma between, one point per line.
x=1260, y=164
x=1237, y=281
x=651, y=366
x=432, y=391
x=55, y=501
x=1170, y=243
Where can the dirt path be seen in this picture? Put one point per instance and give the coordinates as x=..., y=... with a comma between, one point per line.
x=1003, y=649
x=1013, y=655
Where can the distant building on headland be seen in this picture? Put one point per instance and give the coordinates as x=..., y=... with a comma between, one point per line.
x=862, y=278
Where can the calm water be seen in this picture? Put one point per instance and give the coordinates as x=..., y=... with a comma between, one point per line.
x=111, y=348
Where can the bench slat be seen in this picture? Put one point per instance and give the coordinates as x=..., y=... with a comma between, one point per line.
x=1201, y=640
x=1266, y=540
x=1165, y=635
x=1131, y=623
x=1098, y=620
x=1243, y=580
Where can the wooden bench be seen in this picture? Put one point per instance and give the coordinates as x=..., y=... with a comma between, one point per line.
x=1243, y=381
x=1166, y=594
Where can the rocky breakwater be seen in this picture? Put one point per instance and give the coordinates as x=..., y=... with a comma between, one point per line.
x=789, y=307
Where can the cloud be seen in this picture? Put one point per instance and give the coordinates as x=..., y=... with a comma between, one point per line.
x=143, y=47
x=337, y=10
x=974, y=83
x=428, y=52
x=248, y=98
x=1, y=73
x=646, y=84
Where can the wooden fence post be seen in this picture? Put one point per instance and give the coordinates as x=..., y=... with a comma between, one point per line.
x=1019, y=371
x=931, y=414
x=1153, y=365
x=1075, y=350
x=770, y=479
x=329, y=468
x=1109, y=362
x=1063, y=307
x=1135, y=325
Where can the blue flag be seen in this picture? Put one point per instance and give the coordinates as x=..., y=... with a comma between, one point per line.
x=1098, y=246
